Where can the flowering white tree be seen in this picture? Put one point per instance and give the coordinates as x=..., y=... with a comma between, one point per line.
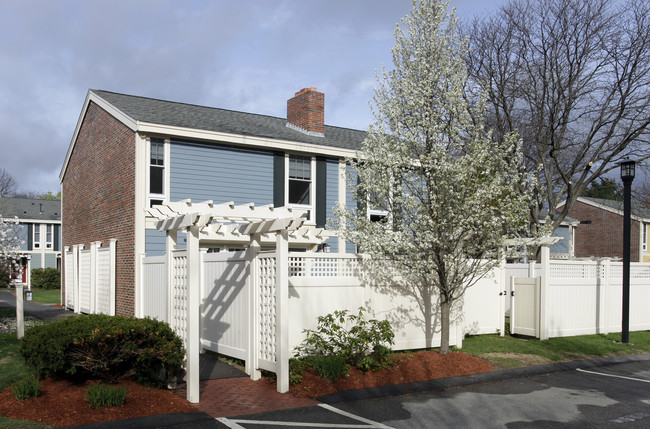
x=442, y=195
x=10, y=242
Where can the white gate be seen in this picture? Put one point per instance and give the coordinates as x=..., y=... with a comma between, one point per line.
x=225, y=309
x=524, y=319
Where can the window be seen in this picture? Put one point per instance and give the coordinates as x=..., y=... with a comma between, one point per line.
x=300, y=189
x=48, y=236
x=37, y=236
x=156, y=171
x=645, y=236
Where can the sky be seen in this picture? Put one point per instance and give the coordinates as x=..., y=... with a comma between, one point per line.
x=246, y=55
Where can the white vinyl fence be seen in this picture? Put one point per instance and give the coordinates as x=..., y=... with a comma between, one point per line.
x=90, y=278
x=319, y=283
x=581, y=297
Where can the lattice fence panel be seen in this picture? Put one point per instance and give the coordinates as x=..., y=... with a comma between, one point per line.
x=179, y=311
x=267, y=316
x=587, y=270
x=323, y=266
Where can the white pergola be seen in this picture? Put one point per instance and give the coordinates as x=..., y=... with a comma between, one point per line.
x=228, y=222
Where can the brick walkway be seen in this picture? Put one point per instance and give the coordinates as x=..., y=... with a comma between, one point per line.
x=238, y=396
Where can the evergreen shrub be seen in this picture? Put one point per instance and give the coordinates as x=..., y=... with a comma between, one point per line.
x=105, y=347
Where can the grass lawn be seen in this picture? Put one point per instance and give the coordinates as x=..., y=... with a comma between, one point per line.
x=508, y=351
x=43, y=296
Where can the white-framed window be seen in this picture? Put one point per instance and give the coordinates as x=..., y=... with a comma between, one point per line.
x=36, y=236
x=49, y=234
x=300, y=183
x=156, y=171
x=645, y=236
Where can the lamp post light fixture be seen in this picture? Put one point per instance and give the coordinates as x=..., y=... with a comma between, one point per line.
x=627, y=175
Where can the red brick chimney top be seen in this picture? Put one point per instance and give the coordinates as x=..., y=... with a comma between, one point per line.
x=306, y=112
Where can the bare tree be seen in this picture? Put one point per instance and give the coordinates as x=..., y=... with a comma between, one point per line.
x=7, y=183
x=573, y=78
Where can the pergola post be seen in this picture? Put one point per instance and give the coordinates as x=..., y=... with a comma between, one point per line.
x=282, y=310
x=252, y=368
x=193, y=313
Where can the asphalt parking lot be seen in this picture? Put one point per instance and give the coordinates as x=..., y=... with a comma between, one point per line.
x=597, y=396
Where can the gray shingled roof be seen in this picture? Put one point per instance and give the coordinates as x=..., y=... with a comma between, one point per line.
x=28, y=208
x=227, y=121
x=637, y=209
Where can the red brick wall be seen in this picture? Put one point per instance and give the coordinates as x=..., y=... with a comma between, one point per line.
x=603, y=237
x=99, y=196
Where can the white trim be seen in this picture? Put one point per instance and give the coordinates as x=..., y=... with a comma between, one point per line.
x=311, y=207
x=342, y=198
x=141, y=172
x=166, y=185
x=40, y=221
x=244, y=140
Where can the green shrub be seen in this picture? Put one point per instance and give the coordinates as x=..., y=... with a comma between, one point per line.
x=358, y=341
x=105, y=347
x=46, y=278
x=26, y=388
x=100, y=395
x=331, y=367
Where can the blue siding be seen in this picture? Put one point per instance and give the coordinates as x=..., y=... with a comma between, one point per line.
x=50, y=260
x=332, y=193
x=350, y=202
x=154, y=242
x=35, y=261
x=220, y=173
x=561, y=246
x=332, y=197
x=22, y=234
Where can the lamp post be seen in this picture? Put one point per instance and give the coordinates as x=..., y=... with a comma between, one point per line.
x=627, y=175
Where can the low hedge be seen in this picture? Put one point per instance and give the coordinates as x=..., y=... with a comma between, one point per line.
x=46, y=278
x=105, y=347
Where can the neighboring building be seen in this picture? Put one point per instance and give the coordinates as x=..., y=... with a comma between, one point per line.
x=40, y=222
x=129, y=153
x=600, y=232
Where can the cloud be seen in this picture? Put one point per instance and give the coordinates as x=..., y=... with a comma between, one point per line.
x=245, y=55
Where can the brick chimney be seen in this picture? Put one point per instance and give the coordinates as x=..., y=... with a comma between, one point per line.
x=306, y=112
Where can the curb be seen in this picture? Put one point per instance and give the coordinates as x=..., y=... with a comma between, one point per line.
x=468, y=380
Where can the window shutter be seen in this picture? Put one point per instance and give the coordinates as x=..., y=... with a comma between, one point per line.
x=30, y=234
x=278, y=179
x=56, y=245
x=321, y=192
x=362, y=199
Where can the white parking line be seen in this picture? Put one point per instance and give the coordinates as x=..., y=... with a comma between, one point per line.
x=368, y=424
x=612, y=375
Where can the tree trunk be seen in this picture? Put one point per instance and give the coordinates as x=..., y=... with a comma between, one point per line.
x=428, y=318
x=445, y=308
